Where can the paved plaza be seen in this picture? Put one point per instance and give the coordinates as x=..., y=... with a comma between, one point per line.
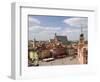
x=62, y=61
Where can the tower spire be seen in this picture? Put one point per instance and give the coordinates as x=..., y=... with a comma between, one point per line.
x=55, y=34
x=34, y=43
x=81, y=35
x=81, y=29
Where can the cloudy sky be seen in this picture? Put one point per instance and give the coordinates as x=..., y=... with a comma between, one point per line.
x=44, y=27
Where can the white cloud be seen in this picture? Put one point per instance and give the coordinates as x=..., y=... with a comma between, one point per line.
x=73, y=34
x=42, y=33
x=77, y=22
x=42, y=28
x=33, y=21
x=45, y=33
x=69, y=30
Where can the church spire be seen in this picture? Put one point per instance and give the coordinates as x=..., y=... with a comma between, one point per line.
x=82, y=35
x=55, y=34
x=34, y=39
x=81, y=29
x=34, y=43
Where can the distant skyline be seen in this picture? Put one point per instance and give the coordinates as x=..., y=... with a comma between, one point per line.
x=45, y=27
